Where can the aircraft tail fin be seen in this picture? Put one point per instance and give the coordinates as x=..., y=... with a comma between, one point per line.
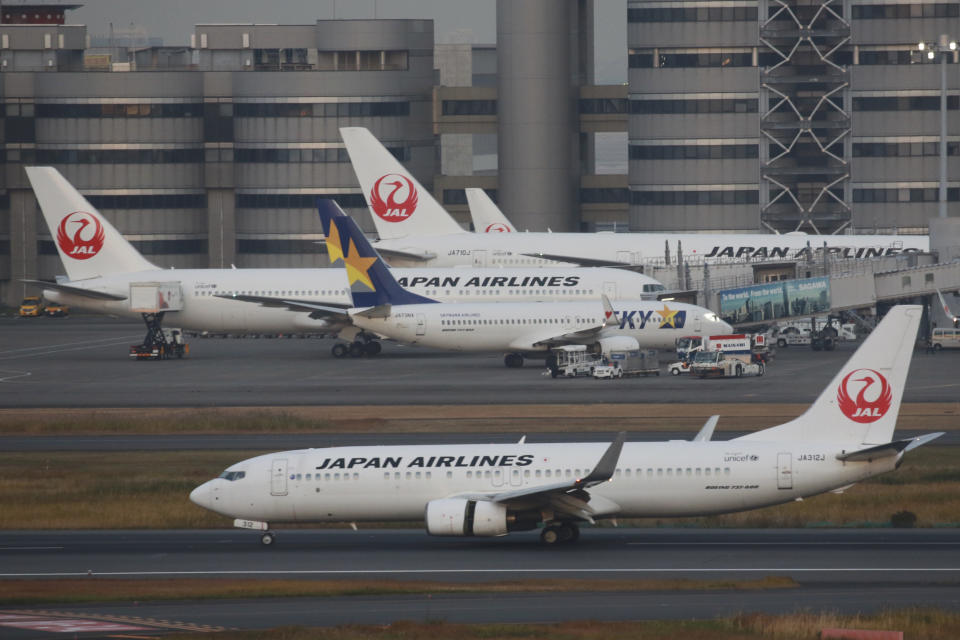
x=862, y=402
x=89, y=246
x=399, y=205
x=371, y=283
x=487, y=216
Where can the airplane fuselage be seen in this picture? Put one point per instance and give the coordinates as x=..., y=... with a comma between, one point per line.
x=203, y=310
x=513, y=249
x=529, y=327
x=666, y=479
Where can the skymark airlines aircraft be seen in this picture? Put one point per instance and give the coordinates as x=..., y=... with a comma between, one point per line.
x=493, y=489
x=415, y=230
x=102, y=267
x=383, y=307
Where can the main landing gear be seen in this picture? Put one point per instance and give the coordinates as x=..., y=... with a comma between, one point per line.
x=363, y=345
x=513, y=360
x=267, y=538
x=559, y=533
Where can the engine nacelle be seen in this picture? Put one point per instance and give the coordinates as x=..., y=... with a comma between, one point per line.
x=618, y=343
x=460, y=517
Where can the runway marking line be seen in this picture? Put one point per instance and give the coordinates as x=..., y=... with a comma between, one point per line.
x=67, y=574
x=67, y=616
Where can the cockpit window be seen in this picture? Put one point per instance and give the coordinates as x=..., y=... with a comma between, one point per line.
x=233, y=475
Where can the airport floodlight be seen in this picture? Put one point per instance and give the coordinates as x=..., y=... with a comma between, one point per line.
x=922, y=46
x=945, y=47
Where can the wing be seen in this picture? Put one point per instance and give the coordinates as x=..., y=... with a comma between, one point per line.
x=570, y=498
x=77, y=291
x=315, y=309
x=405, y=254
x=536, y=341
x=586, y=262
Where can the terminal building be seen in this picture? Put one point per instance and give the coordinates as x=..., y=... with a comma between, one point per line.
x=741, y=115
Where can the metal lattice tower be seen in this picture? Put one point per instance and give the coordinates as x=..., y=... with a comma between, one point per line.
x=805, y=123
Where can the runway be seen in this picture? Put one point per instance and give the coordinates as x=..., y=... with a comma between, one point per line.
x=837, y=570
x=83, y=362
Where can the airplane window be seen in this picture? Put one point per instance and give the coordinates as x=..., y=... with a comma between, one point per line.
x=336, y=476
x=308, y=477
x=659, y=472
x=669, y=472
x=649, y=473
x=356, y=476
x=706, y=471
x=689, y=472
x=578, y=474
x=626, y=472
x=547, y=473
x=427, y=475
x=408, y=475
x=326, y=476
x=496, y=473
x=617, y=474
x=698, y=471
x=538, y=473
x=568, y=473
x=449, y=474
x=396, y=476
x=418, y=475
x=469, y=474
x=386, y=476
x=486, y=474
x=516, y=473
x=679, y=472
x=526, y=473
x=726, y=471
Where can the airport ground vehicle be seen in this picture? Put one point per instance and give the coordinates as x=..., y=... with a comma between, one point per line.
x=161, y=345
x=57, y=310
x=820, y=333
x=678, y=367
x=720, y=364
x=943, y=338
x=638, y=362
x=31, y=307
x=572, y=360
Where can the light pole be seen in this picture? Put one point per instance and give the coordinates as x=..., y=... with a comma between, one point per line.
x=945, y=47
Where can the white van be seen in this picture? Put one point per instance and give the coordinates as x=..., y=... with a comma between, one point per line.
x=946, y=338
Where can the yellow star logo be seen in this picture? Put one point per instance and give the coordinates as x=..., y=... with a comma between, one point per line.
x=668, y=317
x=334, y=250
x=358, y=266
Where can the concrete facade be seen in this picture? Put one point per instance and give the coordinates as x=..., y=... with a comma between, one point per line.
x=720, y=122
x=217, y=162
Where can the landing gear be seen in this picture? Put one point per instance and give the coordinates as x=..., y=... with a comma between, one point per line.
x=513, y=360
x=267, y=538
x=560, y=533
x=364, y=345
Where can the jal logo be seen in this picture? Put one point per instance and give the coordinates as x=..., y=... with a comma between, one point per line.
x=393, y=197
x=497, y=227
x=864, y=396
x=80, y=235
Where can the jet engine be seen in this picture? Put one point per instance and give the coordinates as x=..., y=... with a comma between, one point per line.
x=618, y=343
x=461, y=517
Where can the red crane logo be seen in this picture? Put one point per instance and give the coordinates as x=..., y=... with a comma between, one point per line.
x=80, y=235
x=871, y=402
x=497, y=227
x=400, y=201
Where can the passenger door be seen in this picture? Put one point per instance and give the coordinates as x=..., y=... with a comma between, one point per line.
x=421, y=324
x=479, y=258
x=784, y=471
x=278, y=477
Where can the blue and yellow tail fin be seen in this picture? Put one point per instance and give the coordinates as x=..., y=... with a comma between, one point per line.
x=371, y=283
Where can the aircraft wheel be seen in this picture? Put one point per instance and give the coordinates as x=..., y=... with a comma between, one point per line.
x=513, y=360
x=356, y=349
x=568, y=533
x=781, y=343
x=267, y=538
x=550, y=535
x=372, y=348
x=339, y=350
x=762, y=368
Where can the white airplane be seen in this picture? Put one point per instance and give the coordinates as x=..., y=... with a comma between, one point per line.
x=102, y=267
x=486, y=215
x=382, y=307
x=493, y=489
x=415, y=230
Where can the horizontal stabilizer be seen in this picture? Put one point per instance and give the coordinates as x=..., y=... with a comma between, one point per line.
x=887, y=449
x=400, y=254
x=379, y=311
x=76, y=291
x=706, y=431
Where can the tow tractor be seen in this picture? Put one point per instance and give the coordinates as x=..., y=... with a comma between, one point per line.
x=720, y=364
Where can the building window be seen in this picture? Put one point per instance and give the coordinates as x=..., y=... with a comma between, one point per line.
x=898, y=11
x=610, y=195
x=142, y=110
x=296, y=200
x=306, y=155
x=687, y=198
x=693, y=152
x=459, y=196
x=118, y=156
x=692, y=60
x=150, y=201
x=368, y=60
x=321, y=109
x=695, y=105
x=278, y=246
x=904, y=103
x=603, y=105
x=698, y=14
x=469, y=107
x=929, y=194
x=902, y=149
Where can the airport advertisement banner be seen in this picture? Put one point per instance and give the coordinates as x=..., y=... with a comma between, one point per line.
x=763, y=302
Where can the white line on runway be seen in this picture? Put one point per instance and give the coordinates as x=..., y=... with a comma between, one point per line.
x=26, y=548
x=20, y=374
x=347, y=572
x=96, y=344
x=791, y=544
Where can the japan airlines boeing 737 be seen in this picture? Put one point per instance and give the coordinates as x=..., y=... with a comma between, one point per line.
x=415, y=230
x=102, y=267
x=493, y=489
x=383, y=307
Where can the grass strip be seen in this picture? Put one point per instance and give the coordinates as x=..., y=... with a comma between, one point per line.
x=926, y=623
x=490, y=418
x=93, y=589
x=150, y=489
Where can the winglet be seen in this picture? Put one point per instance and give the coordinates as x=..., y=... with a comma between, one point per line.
x=607, y=465
x=706, y=431
x=609, y=315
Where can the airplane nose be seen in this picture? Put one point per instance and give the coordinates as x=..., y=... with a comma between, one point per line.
x=201, y=496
